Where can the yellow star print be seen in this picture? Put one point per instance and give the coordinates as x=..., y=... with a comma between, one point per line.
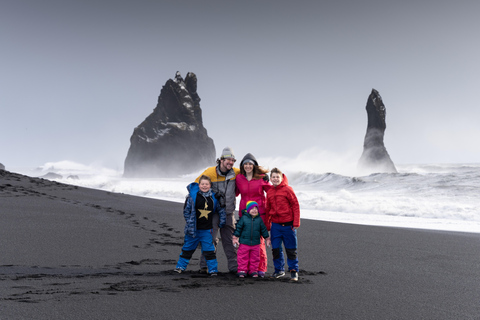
x=204, y=212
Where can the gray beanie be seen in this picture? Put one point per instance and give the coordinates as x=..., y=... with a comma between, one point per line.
x=227, y=153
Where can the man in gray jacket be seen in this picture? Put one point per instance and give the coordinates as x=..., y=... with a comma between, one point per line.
x=223, y=182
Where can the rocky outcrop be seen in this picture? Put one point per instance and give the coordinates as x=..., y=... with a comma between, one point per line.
x=375, y=157
x=2, y=167
x=172, y=141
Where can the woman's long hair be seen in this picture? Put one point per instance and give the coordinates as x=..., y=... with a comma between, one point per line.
x=258, y=171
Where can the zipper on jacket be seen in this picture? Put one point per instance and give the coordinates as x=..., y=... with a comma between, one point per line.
x=251, y=232
x=275, y=197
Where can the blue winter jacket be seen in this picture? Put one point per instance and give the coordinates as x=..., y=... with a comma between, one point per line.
x=189, y=209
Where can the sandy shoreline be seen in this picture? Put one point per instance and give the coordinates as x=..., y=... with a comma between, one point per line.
x=74, y=253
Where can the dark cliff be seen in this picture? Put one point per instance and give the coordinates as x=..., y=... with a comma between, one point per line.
x=172, y=141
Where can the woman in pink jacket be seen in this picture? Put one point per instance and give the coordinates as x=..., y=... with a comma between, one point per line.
x=252, y=184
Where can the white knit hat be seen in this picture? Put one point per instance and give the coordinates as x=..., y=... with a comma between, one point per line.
x=227, y=153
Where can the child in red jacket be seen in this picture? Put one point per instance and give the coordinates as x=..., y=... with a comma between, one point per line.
x=283, y=216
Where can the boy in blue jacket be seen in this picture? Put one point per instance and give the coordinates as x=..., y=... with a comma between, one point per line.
x=247, y=232
x=200, y=206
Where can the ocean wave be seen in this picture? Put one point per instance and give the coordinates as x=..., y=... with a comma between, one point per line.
x=326, y=179
x=344, y=201
x=438, y=192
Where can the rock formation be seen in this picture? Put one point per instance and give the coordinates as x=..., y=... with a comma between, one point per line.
x=375, y=157
x=172, y=141
x=2, y=167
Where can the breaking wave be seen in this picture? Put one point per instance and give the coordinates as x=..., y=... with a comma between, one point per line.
x=443, y=196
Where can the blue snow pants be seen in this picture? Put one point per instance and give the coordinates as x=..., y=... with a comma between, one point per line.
x=208, y=250
x=287, y=235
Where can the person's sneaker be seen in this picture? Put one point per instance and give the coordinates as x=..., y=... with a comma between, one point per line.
x=213, y=274
x=241, y=274
x=293, y=276
x=178, y=270
x=254, y=275
x=203, y=270
x=261, y=274
x=278, y=274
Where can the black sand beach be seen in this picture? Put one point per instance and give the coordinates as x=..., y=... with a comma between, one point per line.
x=75, y=253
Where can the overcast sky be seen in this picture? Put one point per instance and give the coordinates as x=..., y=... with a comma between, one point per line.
x=276, y=78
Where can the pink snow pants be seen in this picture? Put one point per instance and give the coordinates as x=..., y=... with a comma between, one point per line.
x=262, y=266
x=248, y=258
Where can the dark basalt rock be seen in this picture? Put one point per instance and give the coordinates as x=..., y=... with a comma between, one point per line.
x=375, y=157
x=172, y=141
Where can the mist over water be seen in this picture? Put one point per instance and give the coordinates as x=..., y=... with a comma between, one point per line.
x=431, y=196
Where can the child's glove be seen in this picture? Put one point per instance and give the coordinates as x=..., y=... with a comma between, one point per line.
x=269, y=243
x=235, y=241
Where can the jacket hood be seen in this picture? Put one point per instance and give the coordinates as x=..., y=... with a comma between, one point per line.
x=284, y=181
x=193, y=187
x=249, y=156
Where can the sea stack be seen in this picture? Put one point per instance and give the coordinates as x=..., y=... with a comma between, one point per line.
x=375, y=158
x=172, y=141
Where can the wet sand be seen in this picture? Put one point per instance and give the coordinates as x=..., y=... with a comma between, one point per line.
x=75, y=253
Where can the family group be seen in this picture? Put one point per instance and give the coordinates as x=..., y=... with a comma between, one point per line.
x=267, y=204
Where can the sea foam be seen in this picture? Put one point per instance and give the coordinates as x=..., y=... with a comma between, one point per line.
x=432, y=196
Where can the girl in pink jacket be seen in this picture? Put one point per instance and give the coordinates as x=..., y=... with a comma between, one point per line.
x=252, y=184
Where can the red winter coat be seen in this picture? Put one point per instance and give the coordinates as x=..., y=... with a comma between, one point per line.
x=282, y=205
x=253, y=190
